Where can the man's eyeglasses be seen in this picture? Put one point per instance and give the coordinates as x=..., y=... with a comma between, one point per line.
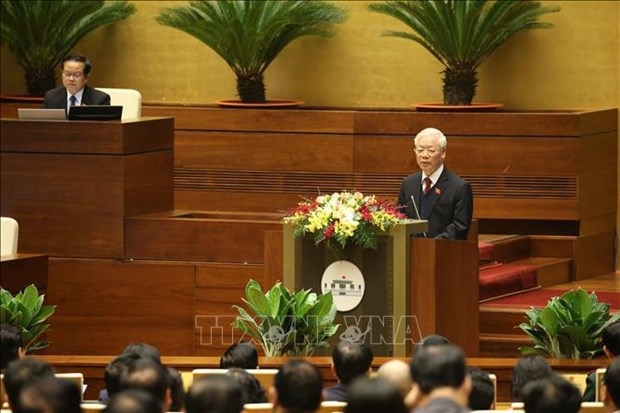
x=430, y=151
x=75, y=75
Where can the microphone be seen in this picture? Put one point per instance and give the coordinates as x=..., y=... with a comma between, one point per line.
x=417, y=213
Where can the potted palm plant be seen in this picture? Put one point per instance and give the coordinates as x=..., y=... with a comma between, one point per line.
x=462, y=34
x=249, y=35
x=39, y=33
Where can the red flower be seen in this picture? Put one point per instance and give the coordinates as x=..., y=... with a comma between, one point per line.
x=365, y=214
x=329, y=231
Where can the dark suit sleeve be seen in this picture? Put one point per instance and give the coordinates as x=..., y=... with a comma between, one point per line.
x=55, y=99
x=463, y=210
x=402, y=199
x=100, y=98
x=590, y=392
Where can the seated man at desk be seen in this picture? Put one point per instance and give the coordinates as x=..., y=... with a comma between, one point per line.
x=74, y=90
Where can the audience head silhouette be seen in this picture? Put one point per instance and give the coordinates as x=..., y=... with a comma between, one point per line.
x=51, y=395
x=177, y=391
x=293, y=377
x=482, y=396
x=397, y=372
x=526, y=370
x=214, y=393
x=611, y=339
x=610, y=390
x=374, y=395
x=351, y=360
x=21, y=373
x=145, y=374
x=440, y=373
x=552, y=394
x=11, y=344
x=251, y=388
x=133, y=401
x=242, y=355
x=142, y=350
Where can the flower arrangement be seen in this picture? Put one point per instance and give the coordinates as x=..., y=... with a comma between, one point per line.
x=344, y=217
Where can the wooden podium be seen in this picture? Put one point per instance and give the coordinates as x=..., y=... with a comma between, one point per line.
x=71, y=184
x=413, y=287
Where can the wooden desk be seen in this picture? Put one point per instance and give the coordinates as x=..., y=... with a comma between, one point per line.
x=70, y=184
x=17, y=271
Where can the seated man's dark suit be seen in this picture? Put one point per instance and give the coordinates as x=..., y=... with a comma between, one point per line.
x=57, y=98
x=337, y=393
x=448, y=206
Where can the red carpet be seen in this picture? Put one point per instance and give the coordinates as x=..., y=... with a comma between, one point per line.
x=539, y=298
x=501, y=279
x=485, y=250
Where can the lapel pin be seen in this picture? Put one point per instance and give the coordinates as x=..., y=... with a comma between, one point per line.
x=437, y=191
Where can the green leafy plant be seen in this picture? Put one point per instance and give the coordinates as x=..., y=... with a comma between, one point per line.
x=284, y=322
x=569, y=326
x=462, y=34
x=26, y=310
x=39, y=33
x=249, y=35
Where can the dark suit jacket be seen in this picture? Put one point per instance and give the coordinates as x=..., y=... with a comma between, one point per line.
x=451, y=200
x=441, y=405
x=589, y=394
x=337, y=393
x=57, y=98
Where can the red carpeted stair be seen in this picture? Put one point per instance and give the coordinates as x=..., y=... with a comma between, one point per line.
x=500, y=279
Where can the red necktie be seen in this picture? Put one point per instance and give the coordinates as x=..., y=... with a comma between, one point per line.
x=427, y=185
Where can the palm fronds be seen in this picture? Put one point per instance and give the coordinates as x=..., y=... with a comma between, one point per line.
x=249, y=34
x=39, y=33
x=462, y=34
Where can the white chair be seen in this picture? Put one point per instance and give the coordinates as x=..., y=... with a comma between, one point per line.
x=75, y=378
x=129, y=99
x=9, y=230
x=600, y=374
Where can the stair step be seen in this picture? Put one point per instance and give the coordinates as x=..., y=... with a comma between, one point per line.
x=502, y=345
x=551, y=271
x=501, y=279
x=495, y=321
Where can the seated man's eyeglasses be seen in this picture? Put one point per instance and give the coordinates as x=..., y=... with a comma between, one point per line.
x=75, y=75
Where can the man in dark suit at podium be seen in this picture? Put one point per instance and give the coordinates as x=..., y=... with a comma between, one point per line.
x=74, y=90
x=436, y=194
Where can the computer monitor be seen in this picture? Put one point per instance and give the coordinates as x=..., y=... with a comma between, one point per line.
x=95, y=112
x=41, y=114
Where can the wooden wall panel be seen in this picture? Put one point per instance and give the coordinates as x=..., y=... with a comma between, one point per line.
x=71, y=184
x=198, y=237
x=252, y=151
x=218, y=287
x=237, y=201
x=594, y=254
x=256, y=120
x=132, y=136
x=473, y=155
x=501, y=123
x=104, y=305
x=598, y=176
x=443, y=283
x=62, y=205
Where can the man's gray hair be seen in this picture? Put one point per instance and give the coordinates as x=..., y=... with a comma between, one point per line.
x=443, y=141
